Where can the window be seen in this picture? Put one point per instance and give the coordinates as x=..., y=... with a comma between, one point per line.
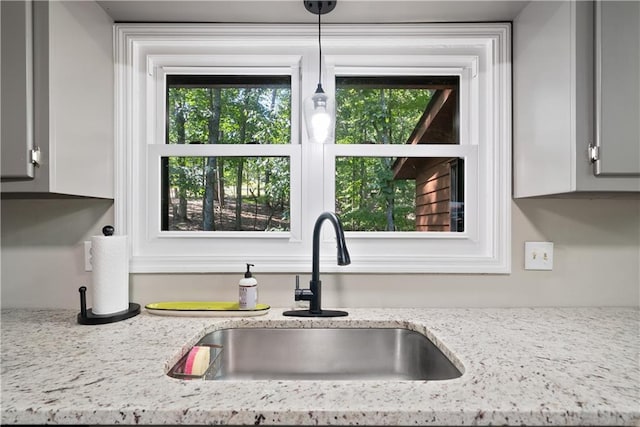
x=397, y=193
x=226, y=193
x=214, y=169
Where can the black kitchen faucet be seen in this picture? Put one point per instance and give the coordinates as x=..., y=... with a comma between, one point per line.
x=314, y=292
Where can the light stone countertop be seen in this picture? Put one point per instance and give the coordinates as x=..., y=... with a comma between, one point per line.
x=533, y=366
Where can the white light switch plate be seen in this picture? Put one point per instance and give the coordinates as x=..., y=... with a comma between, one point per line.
x=538, y=255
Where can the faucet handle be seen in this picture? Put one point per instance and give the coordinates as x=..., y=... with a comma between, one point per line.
x=298, y=292
x=302, y=294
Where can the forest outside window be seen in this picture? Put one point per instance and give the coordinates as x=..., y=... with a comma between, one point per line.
x=399, y=193
x=226, y=193
x=215, y=168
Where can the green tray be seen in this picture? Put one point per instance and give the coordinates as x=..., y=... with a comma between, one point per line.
x=204, y=309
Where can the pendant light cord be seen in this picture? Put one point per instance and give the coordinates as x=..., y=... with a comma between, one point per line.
x=319, y=45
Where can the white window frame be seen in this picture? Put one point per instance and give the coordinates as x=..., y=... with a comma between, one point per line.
x=478, y=53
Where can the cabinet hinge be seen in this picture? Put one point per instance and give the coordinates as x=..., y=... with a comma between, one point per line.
x=594, y=153
x=35, y=157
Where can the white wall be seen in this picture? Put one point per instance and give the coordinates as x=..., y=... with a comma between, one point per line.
x=596, y=262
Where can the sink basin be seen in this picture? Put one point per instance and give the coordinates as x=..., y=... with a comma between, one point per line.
x=320, y=354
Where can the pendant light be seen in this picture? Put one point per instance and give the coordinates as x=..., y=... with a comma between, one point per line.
x=319, y=109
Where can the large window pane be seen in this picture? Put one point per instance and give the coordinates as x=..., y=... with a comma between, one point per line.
x=225, y=193
x=211, y=109
x=400, y=194
x=397, y=110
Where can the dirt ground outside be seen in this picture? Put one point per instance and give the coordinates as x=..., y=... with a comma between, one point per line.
x=254, y=217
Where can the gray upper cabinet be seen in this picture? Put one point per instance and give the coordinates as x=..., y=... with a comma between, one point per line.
x=617, y=88
x=57, y=70
x=16, y=75
x=555, y=105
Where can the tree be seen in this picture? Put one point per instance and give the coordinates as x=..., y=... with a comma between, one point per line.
x=180, y=120
x=234, y=114
x=211, y=168
x=368, y=198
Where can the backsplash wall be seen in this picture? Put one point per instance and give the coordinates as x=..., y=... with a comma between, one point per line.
x=596, y=262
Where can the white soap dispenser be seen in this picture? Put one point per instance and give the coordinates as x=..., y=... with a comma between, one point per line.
x=248, y=290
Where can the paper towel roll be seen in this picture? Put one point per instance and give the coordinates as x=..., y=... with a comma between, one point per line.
x=110, y=265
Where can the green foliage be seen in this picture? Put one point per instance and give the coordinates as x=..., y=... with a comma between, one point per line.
x=247, y=115
x=266, y=113
x=363, y=113
x=365, y=187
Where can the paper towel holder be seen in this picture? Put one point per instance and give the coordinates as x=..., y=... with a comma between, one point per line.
x=87, y=317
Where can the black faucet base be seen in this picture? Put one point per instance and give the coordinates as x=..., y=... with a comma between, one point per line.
x=308, y=313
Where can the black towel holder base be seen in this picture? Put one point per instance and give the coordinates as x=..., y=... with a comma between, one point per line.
x=88, y=317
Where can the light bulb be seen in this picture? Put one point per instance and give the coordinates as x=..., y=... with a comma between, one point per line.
x=320, y=122
x=318, y=115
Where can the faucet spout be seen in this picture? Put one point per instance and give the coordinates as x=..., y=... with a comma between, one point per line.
x=314, y=293
x=343, y=253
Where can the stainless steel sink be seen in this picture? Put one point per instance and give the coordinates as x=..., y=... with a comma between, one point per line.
x=321, y=354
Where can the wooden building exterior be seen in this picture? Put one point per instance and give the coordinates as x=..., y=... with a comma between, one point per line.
x=439, y=180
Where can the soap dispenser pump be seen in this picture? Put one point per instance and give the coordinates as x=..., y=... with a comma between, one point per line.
x=248, y=290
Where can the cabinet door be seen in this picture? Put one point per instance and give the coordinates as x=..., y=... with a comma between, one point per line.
x=618, y=88
x=16, y=138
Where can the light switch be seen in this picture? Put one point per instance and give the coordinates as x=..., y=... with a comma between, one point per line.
x=538, y=255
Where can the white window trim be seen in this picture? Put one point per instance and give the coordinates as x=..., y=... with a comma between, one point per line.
x=145, y=51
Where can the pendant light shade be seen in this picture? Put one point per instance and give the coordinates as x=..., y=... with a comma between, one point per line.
x=319, y=109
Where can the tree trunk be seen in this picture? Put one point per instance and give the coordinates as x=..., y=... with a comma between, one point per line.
x=389, y=194
x=255, y=208
x=267, y=181
x=208, y=212
x=389, y=184
x=220, y=183
x=354, y=192
x=181, y=214
x=362, y=197
x=267, y=172
x=239, y=172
